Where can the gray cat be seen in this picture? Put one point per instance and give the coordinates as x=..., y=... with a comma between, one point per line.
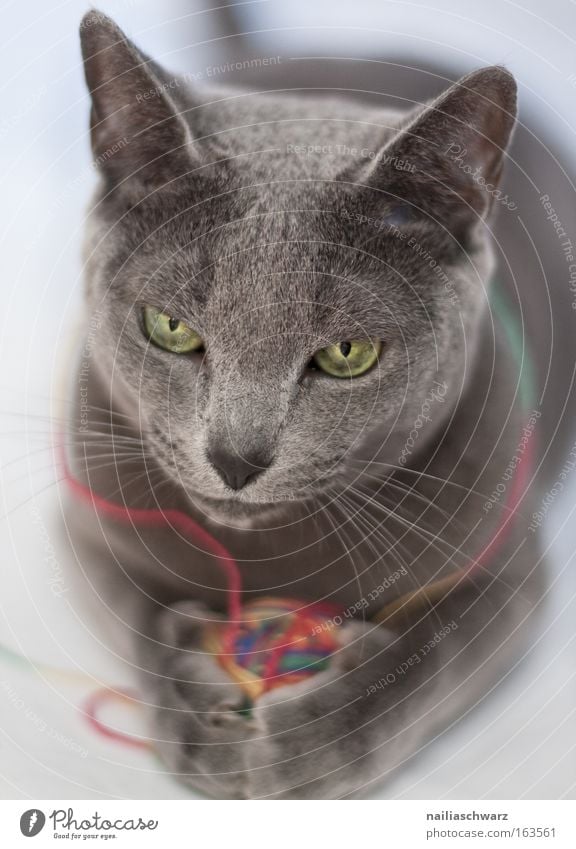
x=291, y=339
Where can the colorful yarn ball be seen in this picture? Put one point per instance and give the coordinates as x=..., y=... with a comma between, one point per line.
x=278, y=642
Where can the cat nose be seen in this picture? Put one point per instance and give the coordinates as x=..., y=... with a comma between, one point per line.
x=236, y=470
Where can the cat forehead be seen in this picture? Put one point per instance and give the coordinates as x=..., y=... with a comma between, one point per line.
x=255, y=240
x=290, y=261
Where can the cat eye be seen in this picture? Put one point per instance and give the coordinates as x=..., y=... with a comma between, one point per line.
x=348, y=359
x=169, y=333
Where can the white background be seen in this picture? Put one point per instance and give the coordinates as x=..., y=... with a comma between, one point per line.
x=522, y=742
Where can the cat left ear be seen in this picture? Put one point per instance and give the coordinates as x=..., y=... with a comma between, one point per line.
x=447, y=161
x=136, y=131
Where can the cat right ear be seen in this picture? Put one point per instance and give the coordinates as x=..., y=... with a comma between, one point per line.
x=137, y=134
x=447, y=160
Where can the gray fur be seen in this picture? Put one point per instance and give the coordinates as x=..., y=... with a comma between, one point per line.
x=206, y=211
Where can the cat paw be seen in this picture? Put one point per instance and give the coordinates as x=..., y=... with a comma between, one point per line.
x=213, y=755
x=292, y=744
x=199, y=724
x=317, y=740
x=183, y=624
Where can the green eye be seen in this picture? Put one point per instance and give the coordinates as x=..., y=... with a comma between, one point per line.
x=348, y=359
x=170, y=333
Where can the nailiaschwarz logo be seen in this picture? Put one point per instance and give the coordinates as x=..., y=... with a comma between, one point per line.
x=32, y=822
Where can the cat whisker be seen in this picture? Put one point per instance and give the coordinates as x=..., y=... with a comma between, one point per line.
x=347, y=553
x=34, y=495
x=419, y=474
x=425, y=536
x=400, y=505
x=423, y=533
x=36, y=470
x=408, y=490
x=379, y=533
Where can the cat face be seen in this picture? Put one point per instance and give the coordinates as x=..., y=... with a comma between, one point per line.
x=273, y=308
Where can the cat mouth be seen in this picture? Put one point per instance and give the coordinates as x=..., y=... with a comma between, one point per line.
x=227, y=503
x=248, y=508
x=236, y=512
x=249, y=503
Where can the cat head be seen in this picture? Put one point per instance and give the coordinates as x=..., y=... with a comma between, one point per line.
x=285, y=282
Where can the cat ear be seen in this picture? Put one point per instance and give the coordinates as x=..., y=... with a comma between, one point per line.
x=136, y=131
x=447, y=161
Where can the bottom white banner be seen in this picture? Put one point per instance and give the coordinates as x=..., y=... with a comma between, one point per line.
x=394, y=824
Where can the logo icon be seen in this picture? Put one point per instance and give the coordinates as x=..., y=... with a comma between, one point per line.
x=32, y=822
